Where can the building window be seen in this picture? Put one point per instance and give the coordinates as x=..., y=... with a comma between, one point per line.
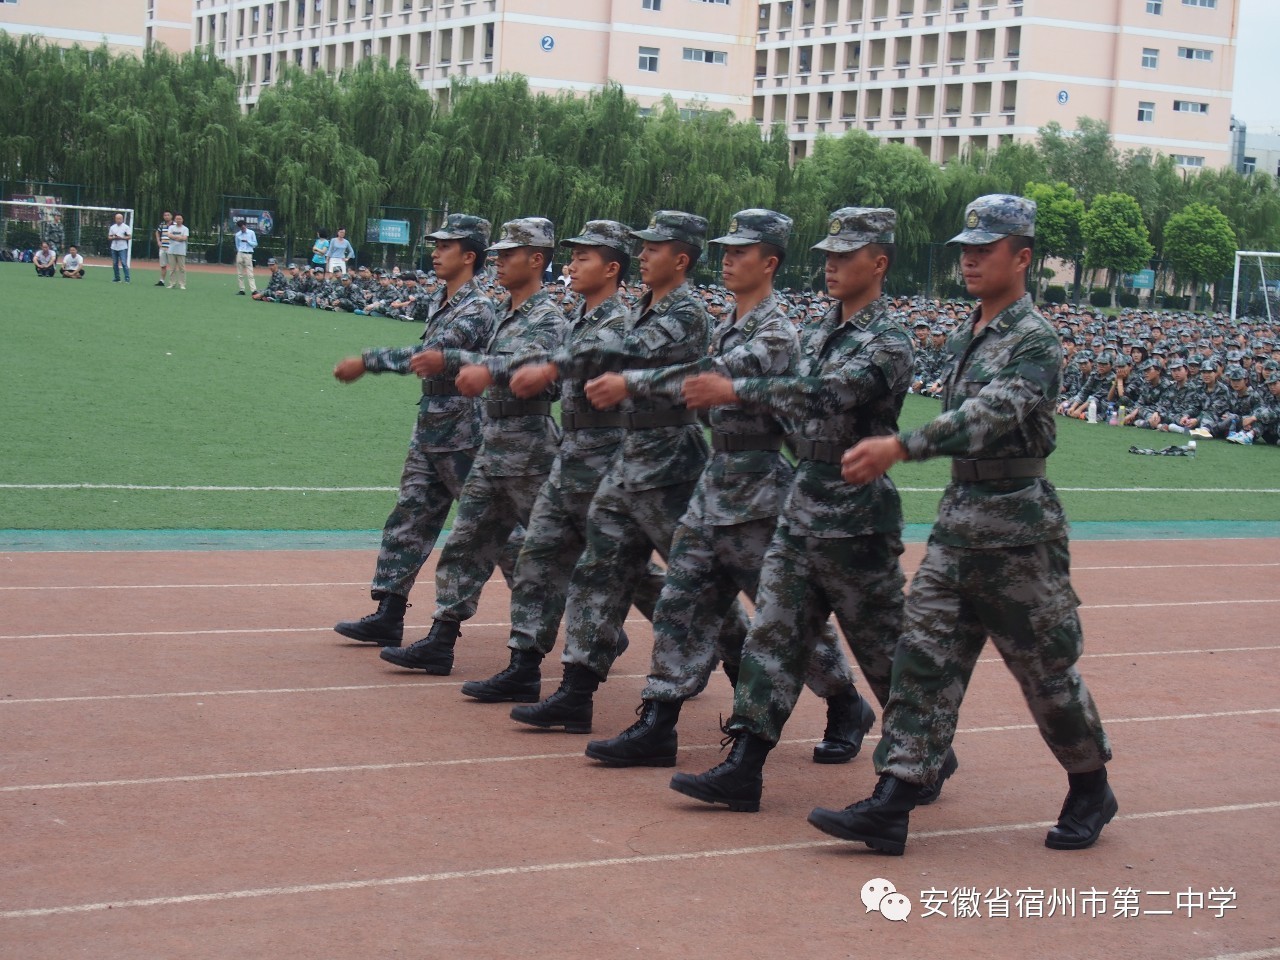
x=1182, y=160
x=696, y=55
x=723, y=3
x=1195, y=53
x=1146, y=111
x=649, y=59
x=1211, y=4
x=1189, y=106
x=1155, y=6
x=1249, y=166
x=1150, y=58
x=651, y=4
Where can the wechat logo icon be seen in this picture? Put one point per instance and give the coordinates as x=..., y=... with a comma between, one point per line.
x=882, y=896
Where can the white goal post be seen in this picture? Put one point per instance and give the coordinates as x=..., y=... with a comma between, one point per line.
x=84, y=227
x=1266, y=289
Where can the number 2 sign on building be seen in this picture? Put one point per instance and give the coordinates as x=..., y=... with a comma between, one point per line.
x=548, y=43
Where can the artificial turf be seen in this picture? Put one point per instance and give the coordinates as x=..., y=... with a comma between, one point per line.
x=113, y=383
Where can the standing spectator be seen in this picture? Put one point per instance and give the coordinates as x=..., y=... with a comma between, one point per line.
x=320, y=249
x=44, y=259
x=73, y=264
x=246, y=243
x=120, y=234
x=340, y=251
x=162, y=244
x=178, y=234
x=52, y=231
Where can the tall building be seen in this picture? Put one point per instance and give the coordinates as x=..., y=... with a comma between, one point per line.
x=126, y=26
x=947, y=76
x=699, y=51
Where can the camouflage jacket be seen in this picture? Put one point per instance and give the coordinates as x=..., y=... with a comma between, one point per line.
x=738, y=486
x=465, y=321
x=585, y=454
x=1095, y=386
x=1213, y=403
x=1134, y=384
x=1241, y=404
x=850, y=382
x=1268, y=409
x=1151, y=399
x=997, y=403
x=1180, y=400
x=672, y=331
x=276, y=283
x=516, y=446
x=1072, y=381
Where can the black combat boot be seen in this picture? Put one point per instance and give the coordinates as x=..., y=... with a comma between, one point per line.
x=521, y=682
x=738, y=781
x=849, y=717
x=569, y=707
x=731, y=670
x=385, y=626
x=880, y=821
x=932, y=792
x=649, y=742
x=1089, y=807
x=433, y=653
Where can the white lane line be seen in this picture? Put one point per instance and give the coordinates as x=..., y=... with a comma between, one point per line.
x=410, y=681
x=482, y=761
x=361, y=583
x=507, y=623
x=573, y=865
x=210, y=488
x=1248, y=955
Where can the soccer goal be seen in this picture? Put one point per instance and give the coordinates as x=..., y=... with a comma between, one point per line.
x=26, y=223
x=1255, y=285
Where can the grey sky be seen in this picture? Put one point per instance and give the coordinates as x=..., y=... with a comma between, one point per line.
x=1258, y=64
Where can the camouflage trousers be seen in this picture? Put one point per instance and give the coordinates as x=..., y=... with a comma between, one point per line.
x=488, y=530
x=1021, y=597
x=708, y=566
x=802, y=582
x=431, y=481
x=624, y=527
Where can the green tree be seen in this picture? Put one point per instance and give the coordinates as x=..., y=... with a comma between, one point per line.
x=1200, y=246
x=1115, y=237
x=1085, y=159
x=1059, y=225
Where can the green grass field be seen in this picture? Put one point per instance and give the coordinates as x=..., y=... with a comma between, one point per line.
x=134, y=384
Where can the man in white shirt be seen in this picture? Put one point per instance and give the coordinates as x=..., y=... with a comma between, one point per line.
x=120, y=234
x=162, y=245
x=246, y=243
x=73, y=264
x=43, y=260
x=178, y=234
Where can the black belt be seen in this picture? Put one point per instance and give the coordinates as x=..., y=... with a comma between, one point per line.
x=660, y=418
x=590, y=421
x=1010, y=468
x=439, y=388
x=499, y=409
x=737, y=442
x=824, y=451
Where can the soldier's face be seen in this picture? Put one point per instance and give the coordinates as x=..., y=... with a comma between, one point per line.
x=1241, y=385
x=450, y=260
x=853, y=274
x=1179, y=374
x=993, y=269
x=1152, y=375
x=589, y=270
x=746, y=268
x=518, y=266
x=658, y=266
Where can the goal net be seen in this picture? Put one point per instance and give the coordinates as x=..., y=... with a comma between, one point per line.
x=26, y=222
x=1255, y=286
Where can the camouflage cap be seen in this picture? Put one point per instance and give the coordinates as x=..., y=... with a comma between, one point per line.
x=1177, y=363
x=463, y=226
x=1274, y=378
x=757, y=226
x=603, y=233
x=1210, y=365
x=1084, y=356
x=675, y=225
x=997, y=215
x=1123, y=360
x=1150, y=365
x=526, y=232
x=1107, y=357
x=1236, y=372
x=852, y=228
x=271, y=261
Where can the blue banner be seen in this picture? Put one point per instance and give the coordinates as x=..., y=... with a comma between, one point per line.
x=387, y=231
x=261, y=222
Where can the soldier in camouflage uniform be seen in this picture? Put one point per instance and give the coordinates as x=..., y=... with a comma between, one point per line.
x=346, y=296
x=719, y=542
x=1236, y=422
x=1150, y=397
x=649, y=480
x=445, y=437
x=275, y=283
x=518, y=447
x=1267, y=414
x=558, y=522
x=1214, y=399
x=836, y=546
x=1181, y=400
x=997, y=563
